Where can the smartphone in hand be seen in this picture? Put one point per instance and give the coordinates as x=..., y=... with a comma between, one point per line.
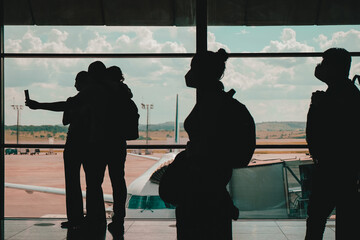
x=27, y=97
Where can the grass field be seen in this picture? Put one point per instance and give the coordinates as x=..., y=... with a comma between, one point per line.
x=162, y=135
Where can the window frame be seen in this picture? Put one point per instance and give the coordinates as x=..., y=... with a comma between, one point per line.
x=201, y=45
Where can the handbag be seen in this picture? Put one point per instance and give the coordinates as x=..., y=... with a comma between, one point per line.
x=171, y=186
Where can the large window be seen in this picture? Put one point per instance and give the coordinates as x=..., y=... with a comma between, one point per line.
x=276, y=90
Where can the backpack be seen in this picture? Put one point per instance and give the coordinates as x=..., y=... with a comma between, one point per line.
x=238, y=131
x=131, y=130
x=125, y=114
x=236, y=134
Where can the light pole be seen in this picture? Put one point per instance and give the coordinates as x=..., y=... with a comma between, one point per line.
x=17, y=108
x=147, y=107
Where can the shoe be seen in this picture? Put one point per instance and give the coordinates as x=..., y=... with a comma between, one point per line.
x=65, y=224
x=235, y=213
x=116, y=231
x=69, y=225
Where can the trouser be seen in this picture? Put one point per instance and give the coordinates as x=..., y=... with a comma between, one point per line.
x=116, y=167
x=204, y=214
x=330, y=189
x=74, y=200
x=94, y=166
x=202, y=223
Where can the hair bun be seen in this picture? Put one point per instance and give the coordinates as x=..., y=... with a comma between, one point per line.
x=222, y=54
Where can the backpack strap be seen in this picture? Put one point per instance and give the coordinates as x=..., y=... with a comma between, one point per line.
x=230, y=93
x=354, y=79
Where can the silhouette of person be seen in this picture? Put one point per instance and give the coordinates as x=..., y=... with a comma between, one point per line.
x=109, y=122
x=205, y=211
x=95, y=164
x=119, y=101
x=330, y=136
x=73, y=151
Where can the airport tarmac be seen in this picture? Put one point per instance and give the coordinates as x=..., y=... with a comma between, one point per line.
x=48, y=170
x=38, y=215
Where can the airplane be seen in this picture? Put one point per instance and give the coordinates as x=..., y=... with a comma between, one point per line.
x=259, y=190
x=143, y=199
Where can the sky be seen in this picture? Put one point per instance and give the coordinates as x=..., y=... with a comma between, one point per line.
x=273, y=89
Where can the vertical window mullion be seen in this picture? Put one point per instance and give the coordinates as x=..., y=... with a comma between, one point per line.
x=201, y=26
x=2, y=134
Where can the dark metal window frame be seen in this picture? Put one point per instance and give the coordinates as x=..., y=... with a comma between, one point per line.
x=144, y=55
x=201, y=45
x=2, y=117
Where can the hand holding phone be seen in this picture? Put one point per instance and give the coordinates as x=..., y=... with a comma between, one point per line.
x=27, y=97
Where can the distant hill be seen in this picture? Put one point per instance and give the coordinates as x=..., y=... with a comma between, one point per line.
x=167, y=126
x=281, y=126
x=263, y=126
x=42, y=128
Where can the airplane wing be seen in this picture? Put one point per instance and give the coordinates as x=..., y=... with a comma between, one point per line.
x=144, y=156
x=59, y=191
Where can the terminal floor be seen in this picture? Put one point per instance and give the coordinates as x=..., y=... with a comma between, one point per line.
x=21, y=229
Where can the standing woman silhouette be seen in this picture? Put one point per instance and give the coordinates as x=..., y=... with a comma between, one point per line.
x=206, y=210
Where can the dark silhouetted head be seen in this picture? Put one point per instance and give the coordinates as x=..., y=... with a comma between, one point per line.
x=206, y=69
x=334, y=67
x=82, y=80
x=97, y=71
x=114, y=74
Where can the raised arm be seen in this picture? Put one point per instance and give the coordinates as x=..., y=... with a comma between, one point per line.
x=52, y=106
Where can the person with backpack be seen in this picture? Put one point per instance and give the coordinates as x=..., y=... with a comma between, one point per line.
x=221, y=137
x=124, y=124
x=332, y=134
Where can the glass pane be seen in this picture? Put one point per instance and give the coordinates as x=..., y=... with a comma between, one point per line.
x=272, y=186
x=277, y=92
x=49, y=80
x=35, y=184
x=284, y=38
x=109, y=39
x=269, y=188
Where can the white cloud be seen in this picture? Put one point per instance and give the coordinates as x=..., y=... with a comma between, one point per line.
x=349, y=40
x=13, y=45
x=258, y=81
x=99, y=44
x=249, y=73
x=243, y=32
x=213, y=45
x=287, y=43
x=53, y=42
x=46, y=86
x=278, y=110
x=144, y=41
